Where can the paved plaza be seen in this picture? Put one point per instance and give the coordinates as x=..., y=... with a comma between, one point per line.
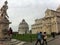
x=51, y=41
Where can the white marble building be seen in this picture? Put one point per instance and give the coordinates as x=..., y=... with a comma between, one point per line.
x=23, y=27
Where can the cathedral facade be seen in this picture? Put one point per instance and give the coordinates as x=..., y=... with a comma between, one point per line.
x=50, y=23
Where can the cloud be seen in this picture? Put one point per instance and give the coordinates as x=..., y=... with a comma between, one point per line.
x=28, y=10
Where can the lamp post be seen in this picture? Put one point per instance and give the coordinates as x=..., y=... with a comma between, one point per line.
x=31, y=35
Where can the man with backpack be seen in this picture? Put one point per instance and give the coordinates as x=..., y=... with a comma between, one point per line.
x=39, y=38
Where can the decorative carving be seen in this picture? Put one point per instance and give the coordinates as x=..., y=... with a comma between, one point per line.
x=5, y=32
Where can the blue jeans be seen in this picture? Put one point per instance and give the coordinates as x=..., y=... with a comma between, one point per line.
x=38, y=40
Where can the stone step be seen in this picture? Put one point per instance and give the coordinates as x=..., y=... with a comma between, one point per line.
x=16, y=42
x=21, y=43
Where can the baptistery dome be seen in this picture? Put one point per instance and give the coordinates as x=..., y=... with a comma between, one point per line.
x=23, y=27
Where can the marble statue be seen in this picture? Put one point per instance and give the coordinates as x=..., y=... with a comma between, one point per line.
x=3, y=10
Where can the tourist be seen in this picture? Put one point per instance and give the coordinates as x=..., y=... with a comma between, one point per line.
x=44, y=38
x=39, y=38
x=10, y=32
x=53, y=34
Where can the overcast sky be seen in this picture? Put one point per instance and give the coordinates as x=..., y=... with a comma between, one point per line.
x=28, y=10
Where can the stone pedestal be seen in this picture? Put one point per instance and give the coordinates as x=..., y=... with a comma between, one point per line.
x=4, y=25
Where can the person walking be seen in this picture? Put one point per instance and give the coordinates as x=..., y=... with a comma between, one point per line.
x=10, y=32
x=39, y=38
x=44, y=38
x=53, y=34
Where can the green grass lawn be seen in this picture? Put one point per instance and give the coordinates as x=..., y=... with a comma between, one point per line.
x=25, y=37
